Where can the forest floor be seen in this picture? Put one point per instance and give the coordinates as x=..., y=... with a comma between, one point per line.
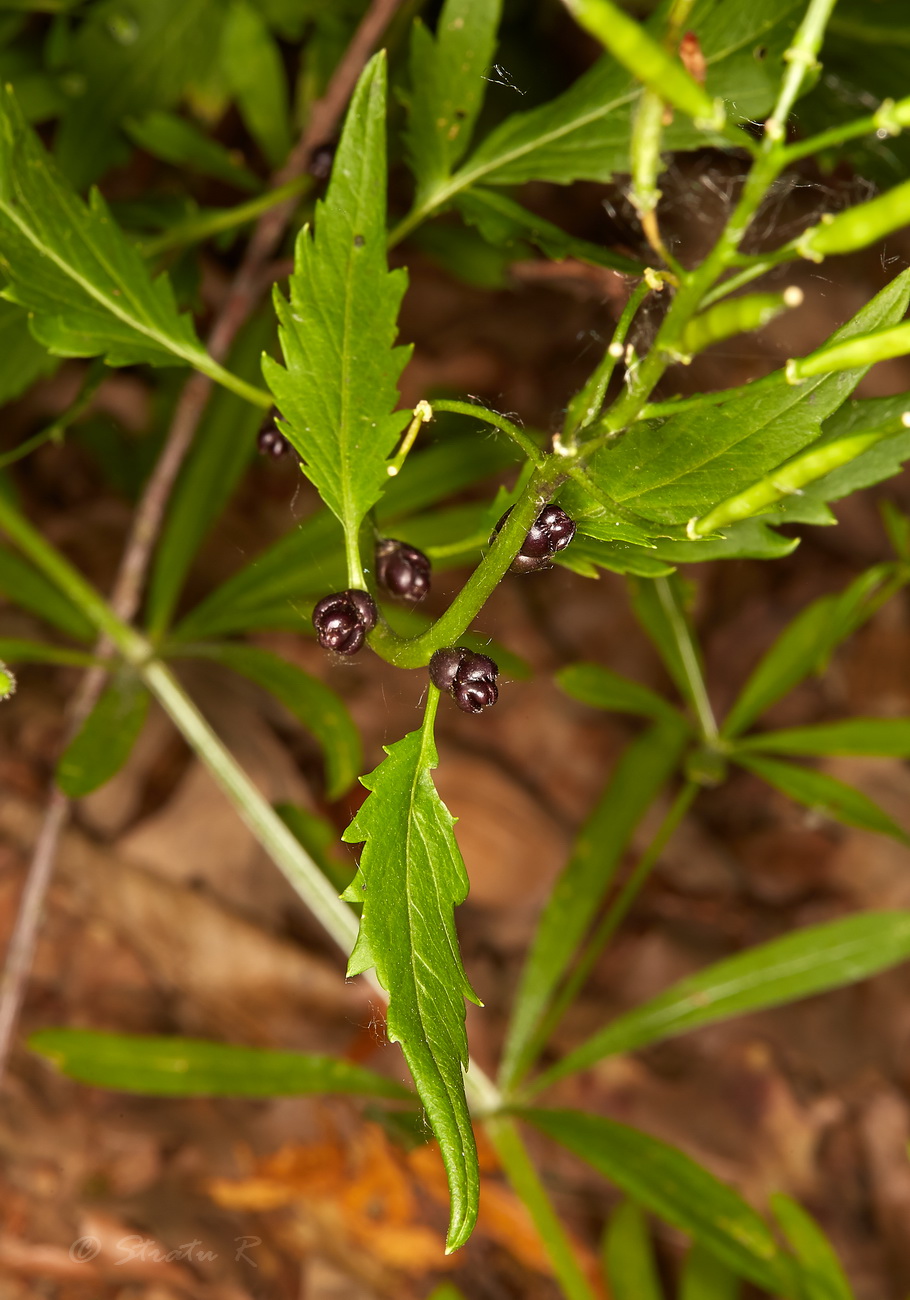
x=165, y=916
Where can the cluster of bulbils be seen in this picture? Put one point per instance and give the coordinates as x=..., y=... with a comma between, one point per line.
x=342, y=620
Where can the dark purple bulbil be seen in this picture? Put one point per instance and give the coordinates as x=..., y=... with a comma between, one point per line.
x=343, y=620
x=551, y=531
x=270, y=442
x=468, y=677
x=402, y=570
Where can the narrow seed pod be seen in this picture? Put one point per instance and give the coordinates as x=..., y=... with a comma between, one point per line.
x=863, y=351
x=736, y=316
x=469, y=678
x=859, y=226
x=343, y=620
x=402, y=570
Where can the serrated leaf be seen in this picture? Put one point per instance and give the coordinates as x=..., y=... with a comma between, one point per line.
x=251, y=61
x=86, y=287
x=824, y=794
x=337, y=332
x=803, y=648
x=22, y=358
x=447, y=86
x=221, y=451
x=128, y=59
x=673, y=470
x=603, y=689
x=584, y=133
x=316, y=707
x=678, y=1190
x=411, y=877
x=195, y=1067
x=26, y=587
x=799, y=965
x=648, y=762
x=106, y=738
x=588, y=554
x=824, y=1277
x=750, y=539
x=628, y=1256
x=885, y=737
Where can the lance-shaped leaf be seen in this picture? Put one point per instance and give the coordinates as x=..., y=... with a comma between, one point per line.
x=824, y=794
x=825, y=1278
x=628, y=1256
x=885, y=737
x=337, y=333
x=680, y=1191
x=447, y=86
x=87, y=289
x=195, y=1067
x=411, y=877
x=106, y=739
x=801, y=964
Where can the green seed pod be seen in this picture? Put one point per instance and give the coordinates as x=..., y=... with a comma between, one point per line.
x=7, y=682
x=859, y=226
x=647, y=131
x=631, y=46
x=790, y=479
x=736, y=316
x=865, y=351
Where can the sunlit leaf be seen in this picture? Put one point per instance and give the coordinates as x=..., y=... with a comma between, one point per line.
x=411, y=876
x=194, y=1067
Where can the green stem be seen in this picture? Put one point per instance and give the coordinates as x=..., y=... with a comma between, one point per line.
x=682, y=635
x=91, y=382
x=801, y=58
x=518, y=436
x=249, y=392
x=519, y=1169
x=612, y=920
x=195, y=229
x=414, y=652
x=585, y=406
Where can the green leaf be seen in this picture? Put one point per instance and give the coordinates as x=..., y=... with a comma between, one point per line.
x=887, y=737
x=584, y=133
x=824, y=1276
x=802, y=648
x=604, y=689
x=824, y=794
x=447, y=87
x=648, y=762
x=628, y=1256
x=220, y=453
x=750, y=539
x=660, y=608
x=87, y=289
x=588, y=554
x=320, y=839
x=180, y=142
x=299, y=565
x=704, y=1277
x=254, y=68
x=26, y=587
x=194, y=1067
x=675, y=1188
x=809, y=961
x=22, y=359
x=676, y=469
x=315, y=706
x=128, y=60
x=338, y=330
x=504, y=223
x=19, y=651
x=410, y=878
x=106, y=739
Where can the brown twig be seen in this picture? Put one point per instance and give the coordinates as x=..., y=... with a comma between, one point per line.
x=246, y=290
